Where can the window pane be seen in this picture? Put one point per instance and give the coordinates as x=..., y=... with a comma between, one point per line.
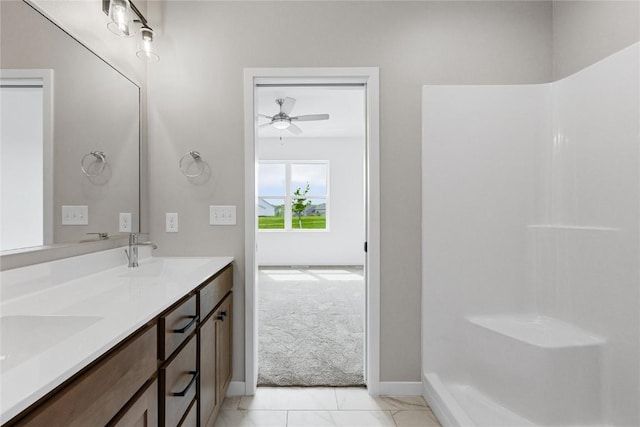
x=270, y=213
x=271, y=179
x=315, y=174
x=308, y=214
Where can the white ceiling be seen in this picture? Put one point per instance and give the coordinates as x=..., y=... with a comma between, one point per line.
x=345, y=106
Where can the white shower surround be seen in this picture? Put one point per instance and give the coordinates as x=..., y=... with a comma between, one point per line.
x=531, y=269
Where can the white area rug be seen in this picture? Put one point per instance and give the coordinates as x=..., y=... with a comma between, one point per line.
x=311, y=326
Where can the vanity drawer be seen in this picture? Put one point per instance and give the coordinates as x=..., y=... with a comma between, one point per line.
x=99, y=394
x=212, y=293
x=176, y=326
x=178, y=384
x=191, y=419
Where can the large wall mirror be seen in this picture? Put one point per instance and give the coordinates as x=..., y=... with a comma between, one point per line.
x=69, y=134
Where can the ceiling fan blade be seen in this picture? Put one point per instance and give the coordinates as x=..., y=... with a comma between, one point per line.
x=287, y=105
x=294, y=129
x=310, y=117
x=265, y=116
x=264, y=125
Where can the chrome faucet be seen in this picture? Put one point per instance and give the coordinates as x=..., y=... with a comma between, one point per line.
x=132, y=254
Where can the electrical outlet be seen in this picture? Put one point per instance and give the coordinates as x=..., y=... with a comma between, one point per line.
x=125, y=222
x=222, y=215
x=171, y=222
x=75, y=215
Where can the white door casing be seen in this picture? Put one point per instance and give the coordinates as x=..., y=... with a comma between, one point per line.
x=369, y=76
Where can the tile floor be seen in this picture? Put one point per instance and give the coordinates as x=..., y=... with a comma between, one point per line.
x=323, y=407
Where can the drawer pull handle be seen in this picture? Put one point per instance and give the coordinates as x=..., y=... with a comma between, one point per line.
x=195, y=375
x=194, y=319
x=222, y=315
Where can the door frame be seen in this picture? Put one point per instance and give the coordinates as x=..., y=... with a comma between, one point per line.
x=46, y=76
x=369, y=76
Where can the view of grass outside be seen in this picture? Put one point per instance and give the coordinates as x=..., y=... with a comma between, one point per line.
x=271, y=222
x=309, y=222
x=277, y=222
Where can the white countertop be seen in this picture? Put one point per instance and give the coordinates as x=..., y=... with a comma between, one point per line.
x=90, y=313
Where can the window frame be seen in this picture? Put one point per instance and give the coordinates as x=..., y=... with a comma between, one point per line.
x=288, y=197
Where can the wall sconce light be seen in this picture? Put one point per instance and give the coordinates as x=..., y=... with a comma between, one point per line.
x=124, y=23
x=146, y=52
x=121, y=18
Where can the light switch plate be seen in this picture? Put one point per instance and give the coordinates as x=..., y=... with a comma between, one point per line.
x=125, y=222
x=75, y=215
x=222, y=215
x=171, y=222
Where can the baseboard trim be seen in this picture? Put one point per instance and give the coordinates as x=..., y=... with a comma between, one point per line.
x=408, y=388
x=443, y=405
x=236, y=388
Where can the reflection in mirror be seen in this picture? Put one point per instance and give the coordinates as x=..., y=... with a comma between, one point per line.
x=25, y=145
x=70, y=136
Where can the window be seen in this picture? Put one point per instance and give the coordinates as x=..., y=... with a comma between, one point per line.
x=293, y=195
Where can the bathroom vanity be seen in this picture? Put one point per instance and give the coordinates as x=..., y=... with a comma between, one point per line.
x=146, y=346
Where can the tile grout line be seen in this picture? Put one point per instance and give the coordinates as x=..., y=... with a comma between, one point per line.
x=393, y=419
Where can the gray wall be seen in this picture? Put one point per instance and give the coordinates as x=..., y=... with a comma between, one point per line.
x=196, y=103
x=584, y=32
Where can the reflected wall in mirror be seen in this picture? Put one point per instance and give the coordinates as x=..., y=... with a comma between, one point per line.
x=60, y=103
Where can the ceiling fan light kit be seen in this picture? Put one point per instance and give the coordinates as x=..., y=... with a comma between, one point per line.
x=281, y=124
x=282, y=120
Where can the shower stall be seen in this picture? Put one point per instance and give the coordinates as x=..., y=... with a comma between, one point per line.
x=531, y=250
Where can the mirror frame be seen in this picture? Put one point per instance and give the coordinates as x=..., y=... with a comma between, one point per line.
x=22, y=257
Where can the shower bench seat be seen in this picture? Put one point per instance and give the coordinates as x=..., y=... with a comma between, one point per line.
x=544, y=369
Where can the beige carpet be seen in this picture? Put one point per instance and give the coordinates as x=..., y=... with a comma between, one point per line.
x=311, y=326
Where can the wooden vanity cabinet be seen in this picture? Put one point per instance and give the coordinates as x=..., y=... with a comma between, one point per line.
x=215, y=303
x=173, y=372
x=99, y=393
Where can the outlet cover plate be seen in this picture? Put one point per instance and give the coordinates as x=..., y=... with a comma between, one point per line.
x=125, y=222
x=171, y=222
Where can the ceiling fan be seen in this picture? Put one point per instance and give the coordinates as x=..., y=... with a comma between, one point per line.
x=283, y=121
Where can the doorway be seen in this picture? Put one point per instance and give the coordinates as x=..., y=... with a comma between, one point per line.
x=26, y=142
x=311, y=230
x=367, y=79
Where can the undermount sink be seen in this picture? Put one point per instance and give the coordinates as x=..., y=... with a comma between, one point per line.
x=25, y=336
x=168, y=268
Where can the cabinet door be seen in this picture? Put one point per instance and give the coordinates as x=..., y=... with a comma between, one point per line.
x=207, y=369
x=224, y=346
x=142, y=412
x=98, y=395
